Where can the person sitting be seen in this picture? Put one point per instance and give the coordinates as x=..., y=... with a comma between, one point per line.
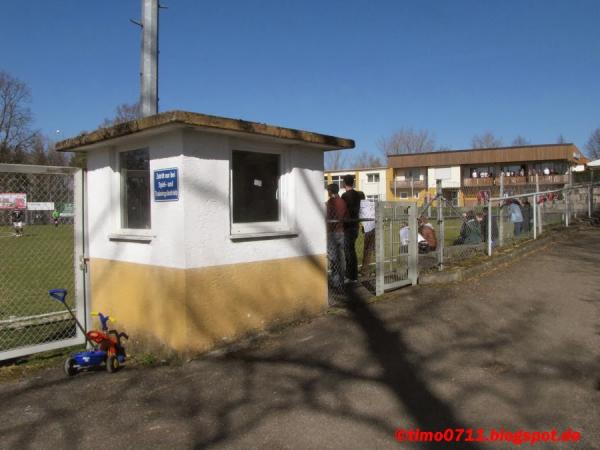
x=470, y=231
x=426, y=230
x=405, y=239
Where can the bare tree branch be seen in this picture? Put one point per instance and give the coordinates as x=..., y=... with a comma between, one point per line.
x=520, y=140
x=593, y=144
x=16, y=135
x=364, y=160
x=486, y=140
x=407, y=140
x=336, y=160
x=124, y=112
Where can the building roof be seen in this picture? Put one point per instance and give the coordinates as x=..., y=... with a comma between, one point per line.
x=358, y=169
x=526, y=153
x=594, y=164
x=85, y=141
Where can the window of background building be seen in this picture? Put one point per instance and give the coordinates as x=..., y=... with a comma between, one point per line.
x=373, y=198
x=255, y=186
x=403, y=194
x=135, y=189
x=339, y=180
x=372, y=178
x=415, y=174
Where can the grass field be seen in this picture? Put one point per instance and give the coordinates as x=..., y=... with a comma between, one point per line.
x=42, y=259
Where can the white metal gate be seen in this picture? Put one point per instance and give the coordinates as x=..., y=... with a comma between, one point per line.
x=48, y=254
x=396, y=245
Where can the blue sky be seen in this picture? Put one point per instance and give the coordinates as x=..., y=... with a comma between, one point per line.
x=357, y=69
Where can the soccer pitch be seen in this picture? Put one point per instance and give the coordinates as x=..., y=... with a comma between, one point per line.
x=41, y=259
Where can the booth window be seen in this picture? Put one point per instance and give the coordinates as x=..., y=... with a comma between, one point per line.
x=135, y=189
x=255, y=187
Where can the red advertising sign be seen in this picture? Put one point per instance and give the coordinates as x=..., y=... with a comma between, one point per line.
x=11, y=200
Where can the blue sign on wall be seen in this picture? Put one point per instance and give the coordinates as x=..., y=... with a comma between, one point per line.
x=166, y=185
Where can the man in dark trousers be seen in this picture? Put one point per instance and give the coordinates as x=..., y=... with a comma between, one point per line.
x=352, y=199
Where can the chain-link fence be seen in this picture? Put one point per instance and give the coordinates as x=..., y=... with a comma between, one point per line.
x=373, y=250
x=525, y=216
x=38, y=216
x=451, y=226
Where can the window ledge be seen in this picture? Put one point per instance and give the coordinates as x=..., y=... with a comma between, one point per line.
x=131, y=237
x=267, y=235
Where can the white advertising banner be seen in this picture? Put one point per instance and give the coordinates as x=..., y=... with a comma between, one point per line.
x=40, y=206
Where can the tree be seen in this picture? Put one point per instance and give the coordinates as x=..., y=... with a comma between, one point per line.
x=124, y=112
x=593, y=144
x=16, y=134
x=407, y=140
x=365, y=160
x=335, y=160
x=486, y=140
x=520, y=140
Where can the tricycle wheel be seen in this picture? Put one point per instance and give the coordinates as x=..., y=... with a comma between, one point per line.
x=112, y=364
x=69, y=367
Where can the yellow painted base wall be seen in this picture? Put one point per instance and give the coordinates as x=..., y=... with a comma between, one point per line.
x=195, y=310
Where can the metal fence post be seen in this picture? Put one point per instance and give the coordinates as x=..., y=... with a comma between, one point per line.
x=539, y=205
x=567, y=213
x=413, y=272
x=500, y=221
x=379, y=250
x=489, y=227
x=535, y=211
x=440, y=216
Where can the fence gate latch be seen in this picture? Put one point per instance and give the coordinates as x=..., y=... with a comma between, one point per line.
x=83, y=263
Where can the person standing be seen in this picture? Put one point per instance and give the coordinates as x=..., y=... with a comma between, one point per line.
x=17, y=221
x=352, y=199
x=526, y=212
x=367, y=213
x=516, y=216
x=337, y=213
x=55, y=217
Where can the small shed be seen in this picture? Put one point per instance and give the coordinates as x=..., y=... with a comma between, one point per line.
x=203, y=229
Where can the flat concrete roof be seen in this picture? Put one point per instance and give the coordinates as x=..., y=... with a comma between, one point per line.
x=84, y=141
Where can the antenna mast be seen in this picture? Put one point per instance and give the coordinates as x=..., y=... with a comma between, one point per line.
x=149, y=58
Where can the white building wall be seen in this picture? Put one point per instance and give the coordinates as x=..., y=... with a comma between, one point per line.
x=194, y=231
x=207, y=213
x=450, y=176
x=167, y=228
x=373, y=188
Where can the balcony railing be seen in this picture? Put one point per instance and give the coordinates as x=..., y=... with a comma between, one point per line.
x=408, y=184
x=515, y=181
x=551, y=179
x=472, y=182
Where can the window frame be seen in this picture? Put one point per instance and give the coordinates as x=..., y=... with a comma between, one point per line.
x=120, y=210
x=375, y=175
x=285, y=224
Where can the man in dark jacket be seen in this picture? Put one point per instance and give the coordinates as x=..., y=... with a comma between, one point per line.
x=352, y=199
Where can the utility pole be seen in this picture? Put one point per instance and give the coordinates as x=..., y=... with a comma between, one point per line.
x=149, y=57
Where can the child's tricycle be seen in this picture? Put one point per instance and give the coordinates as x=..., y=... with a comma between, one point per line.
x=107, y=349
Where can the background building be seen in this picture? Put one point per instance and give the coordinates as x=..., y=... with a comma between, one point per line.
x=469, y=175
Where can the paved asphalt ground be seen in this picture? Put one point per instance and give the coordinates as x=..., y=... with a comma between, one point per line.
x=518, y=348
